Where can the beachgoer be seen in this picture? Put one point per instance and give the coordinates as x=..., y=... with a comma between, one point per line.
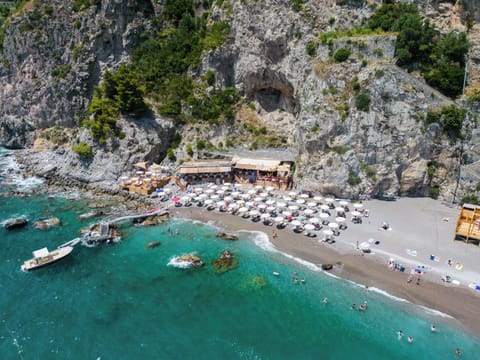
x=418, y=281
x=325, y=300
x=399, y=334
x=409, y=279
x=354, y=306
x=433, y=328
x=365, y=304
x=366, y=289
x=410, y=339
x=458, y=352
x=274, y=234
x=302, y=281
x=361, y=307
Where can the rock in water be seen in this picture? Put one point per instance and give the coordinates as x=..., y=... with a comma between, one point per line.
x=225, y=262
x=46, y=224
x=15, y=223
x=186, y=261
x=153, y=244
x=227, y=236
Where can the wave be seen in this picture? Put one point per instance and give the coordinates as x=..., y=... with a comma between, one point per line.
x=12, y=176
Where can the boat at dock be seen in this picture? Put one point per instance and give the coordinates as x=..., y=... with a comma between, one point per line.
x=43, y=257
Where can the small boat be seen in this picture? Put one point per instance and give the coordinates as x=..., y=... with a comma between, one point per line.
x=153, y=244
x=43, y=257
x=15, y=223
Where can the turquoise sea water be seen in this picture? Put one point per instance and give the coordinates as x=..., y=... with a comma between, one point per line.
x=122, y=301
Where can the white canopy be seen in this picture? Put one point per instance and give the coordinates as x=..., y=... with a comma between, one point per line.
x=271, y=208
x=296, y=223
x=265, y=216
x=314, y=220
x=308, y=211
x=270, y=202
x=254, y=213
x=304, y=196
x=343, y=202
x=356, y=213
x=358, y=206
x=317, y=198
x=300, y=201
x=241, y=202
x=281, y=205
x=293, y=207
x=329, y=200
x=323, y=215
x=311, y=204
x=339, y=219
x=279, y=219
x=208, y=201
x=262, y=206
x=333, y=225
x=214, y=197
x=324, y=207
x=328, y=232
x=243, y=209
x=339, y=209
x=310, y=227
x=258, y=199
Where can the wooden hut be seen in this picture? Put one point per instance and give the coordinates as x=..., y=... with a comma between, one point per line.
x=266, y=172
x=468, y=224
x=205, y=171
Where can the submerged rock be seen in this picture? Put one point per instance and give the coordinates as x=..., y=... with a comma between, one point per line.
x=225, y=262
x=153, y=244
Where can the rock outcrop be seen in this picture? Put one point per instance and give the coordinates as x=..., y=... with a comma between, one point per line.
x=52, y=60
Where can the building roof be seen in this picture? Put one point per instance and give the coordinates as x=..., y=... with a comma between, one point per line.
x=200, y=167
x=255, y=164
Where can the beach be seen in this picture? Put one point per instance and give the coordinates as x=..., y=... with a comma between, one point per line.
x=419, y=229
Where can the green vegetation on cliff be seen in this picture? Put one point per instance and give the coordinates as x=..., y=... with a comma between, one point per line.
x=440, y=58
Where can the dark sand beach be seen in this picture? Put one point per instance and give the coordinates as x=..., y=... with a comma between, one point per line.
x=370, y=270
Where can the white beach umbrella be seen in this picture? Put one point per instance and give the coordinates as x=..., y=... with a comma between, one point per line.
x=364, y=245
x=197, y=198
x=339, y=209
x=263, y=194
x=300, y=201
x=292, y=194
x=167, y=190
x=328, y=232
x=343, y=202
x=225, y=188
x=228, y=198
x=265, y=216
x=209, y=191
x=208, y=202
x=191, y=195
x=271, y=208
x=258, y=199
x=185, y=198
x=287, y=198
x=324, y=207
x=254, y=213
x=269, y=188
x=227, y=184
x=251, y=192
x=304, y=196
x=262, y=206
x=123, y=178
x=323, y=215
x=333, y=225
x=243, y=209
x=198, y=189
x=356, y=213
x=311, y=204
x=249, y=204
x=203, y=196
x=281, y=205
x=233, y=206
x=236, y=193
x=314, y=220
x=214, y=197
x=293, y=207
x=308, y=211
x=279, y=219
x=329, y=200
x=245, y=196
x=310, y=227
x=287, y=213
x=317, y=198
x=296, y=223
x=270, y=202
x=340, y=219
x=220, y=192
x=241, y=202
x=358, y=206
x=213, y=186
x=258, y=187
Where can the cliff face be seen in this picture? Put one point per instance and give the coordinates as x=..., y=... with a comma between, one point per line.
x=310, y=100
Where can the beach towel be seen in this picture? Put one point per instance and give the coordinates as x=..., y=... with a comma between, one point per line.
x=412, y=252
x=434, y=258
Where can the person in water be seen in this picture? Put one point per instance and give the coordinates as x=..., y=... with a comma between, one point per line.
x=458, y=352
x=410, y=339
x=399, y=334
x=433, y=328
x=354, y=306
x=325, y=300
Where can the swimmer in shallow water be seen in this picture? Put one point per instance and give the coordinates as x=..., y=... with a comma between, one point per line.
x=325, y=300
x=433, y=328
x=399, y=334
x=410, y=339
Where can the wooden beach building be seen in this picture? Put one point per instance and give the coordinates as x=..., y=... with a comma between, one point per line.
x=205, y=171
x=265, y=172
x=468, y=224
x=146, y=179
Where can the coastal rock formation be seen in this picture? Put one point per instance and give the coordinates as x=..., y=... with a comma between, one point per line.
x=225, y=262
x=226, y=236
x=15, y=223
x=47, y=224
x=186, y=261
x=53, y=57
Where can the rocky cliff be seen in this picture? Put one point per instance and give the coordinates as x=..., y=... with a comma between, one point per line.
x=53, y=60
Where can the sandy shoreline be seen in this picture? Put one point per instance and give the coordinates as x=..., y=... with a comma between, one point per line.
x=371, y=270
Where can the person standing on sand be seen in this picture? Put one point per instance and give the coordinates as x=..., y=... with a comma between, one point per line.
x=274, y=234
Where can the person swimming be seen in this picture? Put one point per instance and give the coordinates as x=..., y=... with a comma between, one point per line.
x=433, y=328
x=410, y=339
x=399, y=334
x=325, y=300
x=354, y=306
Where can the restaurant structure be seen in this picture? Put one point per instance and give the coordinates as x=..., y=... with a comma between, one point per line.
x=468, y=224
x=147, y=178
